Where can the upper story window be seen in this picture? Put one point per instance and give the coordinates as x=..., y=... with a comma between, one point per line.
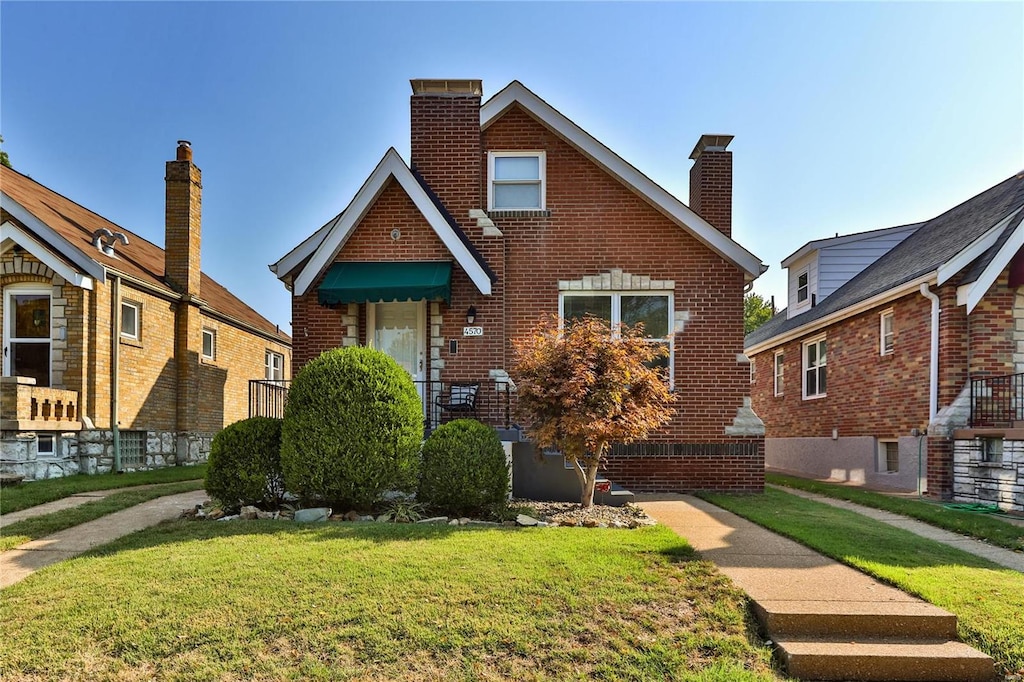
x=801, y=286
x=131, y=318
x=516, y=181
x=779, y=370
x=886, y=335
x=814, y=368
x=209, y=344
x=274, y=366
x=654, y=310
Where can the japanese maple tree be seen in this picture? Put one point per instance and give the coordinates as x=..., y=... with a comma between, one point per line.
x=582, y=387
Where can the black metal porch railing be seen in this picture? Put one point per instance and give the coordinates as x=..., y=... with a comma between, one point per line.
x=492, y=405
x=997, y=401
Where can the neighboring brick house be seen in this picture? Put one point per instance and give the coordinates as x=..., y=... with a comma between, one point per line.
x=71, y=281
x=509, y=212
x=909, y=373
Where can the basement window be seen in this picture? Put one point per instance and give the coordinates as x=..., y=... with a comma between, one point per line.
x=992, y=450
x=888, y=457
x=46, y=445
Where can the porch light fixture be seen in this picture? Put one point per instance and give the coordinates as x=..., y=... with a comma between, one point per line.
x=471, y=315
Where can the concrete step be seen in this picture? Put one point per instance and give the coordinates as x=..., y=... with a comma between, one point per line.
x=852, y=619
x=898, y=660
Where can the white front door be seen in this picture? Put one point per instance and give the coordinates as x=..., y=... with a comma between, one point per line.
x=399, y=329
x=26, y=334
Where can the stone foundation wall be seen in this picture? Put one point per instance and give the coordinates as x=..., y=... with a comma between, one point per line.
x=92, y=452
x=1000, y=483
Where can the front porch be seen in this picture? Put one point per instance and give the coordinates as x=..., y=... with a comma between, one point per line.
x=443, y=401
x=24, y=406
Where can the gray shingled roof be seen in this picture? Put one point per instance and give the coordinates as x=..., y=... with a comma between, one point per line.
x=934, y=243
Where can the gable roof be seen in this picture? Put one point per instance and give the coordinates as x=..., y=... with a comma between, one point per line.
x=65, y=229
x=818, y=244
x=321, y=248
x=941, y=246
x=515, y=93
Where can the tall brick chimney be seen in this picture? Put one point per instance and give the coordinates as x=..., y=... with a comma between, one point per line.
x=446, y=147
x=182, y=222
x=711, y=181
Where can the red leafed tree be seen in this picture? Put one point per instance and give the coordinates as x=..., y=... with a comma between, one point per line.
x=581, y=388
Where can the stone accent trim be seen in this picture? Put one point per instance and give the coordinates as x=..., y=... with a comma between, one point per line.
x=436, y=342
x=1000, y=483
x=616, y=280
x=350, y=321
x=745, y=423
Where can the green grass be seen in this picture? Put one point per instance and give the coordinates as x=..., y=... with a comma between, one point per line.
x=982, y=526
x=39, y=492
x=987, y=599
x=40, y=526
x=270, y=600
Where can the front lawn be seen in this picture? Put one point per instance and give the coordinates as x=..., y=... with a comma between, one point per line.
x=987, y=527
x=276, y=601
x=987, y=599
x=33, y=493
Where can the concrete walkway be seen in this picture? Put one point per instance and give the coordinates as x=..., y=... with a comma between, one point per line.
x=997, y=555
x=69, y=502
x=828, y=621
x=17, y=564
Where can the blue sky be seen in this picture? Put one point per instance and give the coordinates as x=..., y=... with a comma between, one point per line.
x=847, y=116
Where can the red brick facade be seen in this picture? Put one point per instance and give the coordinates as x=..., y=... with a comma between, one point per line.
x=592, y=224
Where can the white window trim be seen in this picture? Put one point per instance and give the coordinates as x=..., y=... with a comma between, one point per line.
x=268, y=366
x=804, y=367
x=807, y=300
x=542, y=168
x=882, y=335
x=50, y=454
x=779, y=371
x=29, y=288
x=616, y=296
x=138, y=320
x=213, y=344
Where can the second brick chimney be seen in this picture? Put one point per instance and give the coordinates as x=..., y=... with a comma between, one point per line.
x=445, y=140
x=182, y=222
x=711, y=181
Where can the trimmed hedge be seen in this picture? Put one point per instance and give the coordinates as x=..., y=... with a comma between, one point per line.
x=352, y=429
x=464, y=470
x=245, y=464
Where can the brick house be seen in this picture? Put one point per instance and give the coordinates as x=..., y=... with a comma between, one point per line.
x=101, y=328
x=510, y=211
x=908, y=373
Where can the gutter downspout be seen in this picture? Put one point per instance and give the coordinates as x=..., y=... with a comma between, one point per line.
x=115, y=351
x=933, y=384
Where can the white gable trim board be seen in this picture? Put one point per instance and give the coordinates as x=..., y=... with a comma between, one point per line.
x=516, y=93
x=343, y=226
x=10, y=231
x=969, y=254
x=53, y=239
x=976, y=290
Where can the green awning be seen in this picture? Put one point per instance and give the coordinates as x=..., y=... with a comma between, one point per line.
x=393, y=281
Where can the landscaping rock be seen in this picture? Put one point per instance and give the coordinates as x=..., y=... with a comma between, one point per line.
x=475, y=522
x=249, y=513
x=383, y=518
x=216, y=514
x=315, y=515
x=524, y=520
x=463, y=521
x=591, y=523
x=260, y=514
x=367, y=517
x=453, y=522
x=352, y=516
x=230, y=518
x=435, y=520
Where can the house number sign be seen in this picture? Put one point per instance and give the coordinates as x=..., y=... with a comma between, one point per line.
x=472, y=331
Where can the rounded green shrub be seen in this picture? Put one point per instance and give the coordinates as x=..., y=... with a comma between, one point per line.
x=352, y=429
x=245, y=464
x=464, y=470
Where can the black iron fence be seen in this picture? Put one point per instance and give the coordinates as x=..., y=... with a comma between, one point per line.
x=487, y=400
x=997, y=401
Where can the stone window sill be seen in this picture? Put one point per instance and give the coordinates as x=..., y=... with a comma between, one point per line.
x=135, y=343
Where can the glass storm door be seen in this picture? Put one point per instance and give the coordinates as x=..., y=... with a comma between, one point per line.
x=399, y=330
x=27, y=334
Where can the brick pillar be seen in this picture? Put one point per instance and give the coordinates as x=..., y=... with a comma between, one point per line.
x=182, y=222
x=711, y=181
x=940, y=468
x=445, y=141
